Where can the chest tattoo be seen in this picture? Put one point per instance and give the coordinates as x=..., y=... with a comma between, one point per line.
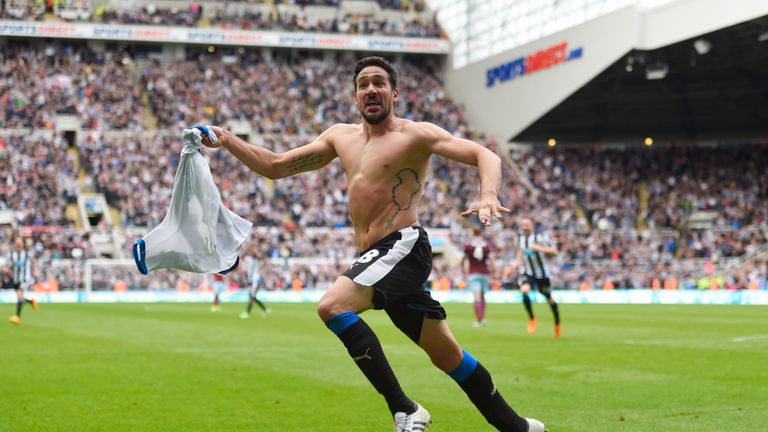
x=406, y=187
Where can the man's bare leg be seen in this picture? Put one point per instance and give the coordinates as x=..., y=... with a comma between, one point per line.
x=339, y=308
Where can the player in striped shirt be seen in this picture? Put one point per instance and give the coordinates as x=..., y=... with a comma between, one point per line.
x=532, y=247
x=22, y=267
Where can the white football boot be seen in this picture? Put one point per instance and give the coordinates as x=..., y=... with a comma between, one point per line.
x=416, y=422
x=535, y=426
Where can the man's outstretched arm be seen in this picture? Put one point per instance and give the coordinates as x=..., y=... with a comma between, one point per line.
x=441, y=142
x=267, y=163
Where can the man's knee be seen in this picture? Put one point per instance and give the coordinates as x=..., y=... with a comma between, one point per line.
x=525, y=288
x=327, y=308
x=344, y=296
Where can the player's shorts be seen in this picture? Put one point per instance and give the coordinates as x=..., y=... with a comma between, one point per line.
x=18, y=286
x=478, y=282
x=256, y=283
x=541, y=284
x=218, y=286
x=396, y=267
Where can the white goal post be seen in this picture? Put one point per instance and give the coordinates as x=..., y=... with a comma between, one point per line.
x=104, y=274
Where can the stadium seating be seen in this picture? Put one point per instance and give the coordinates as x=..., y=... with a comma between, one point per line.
x=37, y=178
x=385, y=17
x=619, y=215
x=39, y=82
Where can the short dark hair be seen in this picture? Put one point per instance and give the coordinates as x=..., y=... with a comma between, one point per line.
x=376, y=61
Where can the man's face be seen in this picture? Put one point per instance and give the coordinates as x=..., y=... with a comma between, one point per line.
x=527, y=226
x=374, y=95
x=18, y=244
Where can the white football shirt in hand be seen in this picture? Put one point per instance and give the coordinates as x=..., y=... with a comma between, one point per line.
x=198, y=234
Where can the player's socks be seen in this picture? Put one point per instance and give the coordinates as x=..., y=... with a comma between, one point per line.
x=528, y=306
x=478, y=311
x=261, y=305
x=365, y=349
x=19, y=305
x=250, y=305
x=555, y=312
x=476, y=382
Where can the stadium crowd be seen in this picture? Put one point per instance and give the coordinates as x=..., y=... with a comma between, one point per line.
x=37, y=178
x=241, y=18
x=40, y=81
x=605, y=208
x=243, y=15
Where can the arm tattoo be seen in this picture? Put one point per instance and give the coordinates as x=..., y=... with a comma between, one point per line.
x=305, y=163
x=406, y=187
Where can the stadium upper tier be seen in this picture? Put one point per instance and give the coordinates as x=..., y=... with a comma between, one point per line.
x=391, y=18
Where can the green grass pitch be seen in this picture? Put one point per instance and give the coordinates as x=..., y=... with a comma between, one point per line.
x=179, y=367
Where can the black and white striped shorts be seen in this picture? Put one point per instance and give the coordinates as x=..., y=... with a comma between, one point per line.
x=397, y=267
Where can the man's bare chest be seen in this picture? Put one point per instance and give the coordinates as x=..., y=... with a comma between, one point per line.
x=378, y=160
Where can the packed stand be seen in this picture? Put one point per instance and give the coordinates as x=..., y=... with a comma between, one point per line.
x=37, y=178
x=285, y=95
x=38, y=81
x=234, y=17
x=242, y=16
x=730, y=180
x=151, y=15
x=28, y=10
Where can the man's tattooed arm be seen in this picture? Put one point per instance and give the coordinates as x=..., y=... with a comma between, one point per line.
x=305, y=163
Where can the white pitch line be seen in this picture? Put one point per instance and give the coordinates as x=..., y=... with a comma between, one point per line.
x=740, y=339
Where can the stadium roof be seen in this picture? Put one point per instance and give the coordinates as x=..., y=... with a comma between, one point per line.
x=710, y=87
x=479, y=29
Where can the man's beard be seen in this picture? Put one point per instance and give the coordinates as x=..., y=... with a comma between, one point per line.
x=375, y=119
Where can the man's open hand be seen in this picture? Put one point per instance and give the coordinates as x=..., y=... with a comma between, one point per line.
x=486, y=209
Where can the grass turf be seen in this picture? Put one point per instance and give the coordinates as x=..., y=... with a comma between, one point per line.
x=116, y=367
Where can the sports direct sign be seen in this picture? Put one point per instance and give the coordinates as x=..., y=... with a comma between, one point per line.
x=536, y=62
x=137, y=33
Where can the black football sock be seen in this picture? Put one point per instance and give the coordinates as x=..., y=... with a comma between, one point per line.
x=528, y=307
x=261, y=305
x=553, y=306
x=365, y=349
x=19, y=305
x=555, y=312
x=250, y=305
x=476, y=382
